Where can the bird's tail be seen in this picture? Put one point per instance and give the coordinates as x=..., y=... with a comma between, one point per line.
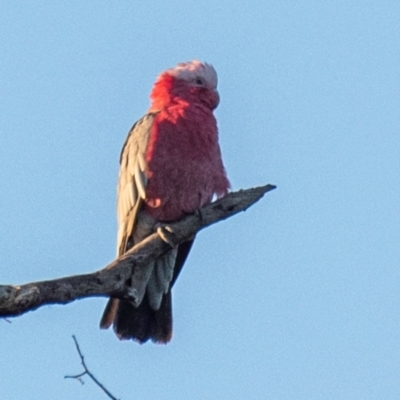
x=144, y=322
x=140, y=323
x=152, y=319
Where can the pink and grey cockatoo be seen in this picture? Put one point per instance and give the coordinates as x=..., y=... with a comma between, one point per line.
x=170, y=166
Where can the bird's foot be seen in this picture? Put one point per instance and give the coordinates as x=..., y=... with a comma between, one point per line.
x=166, y=234
x=199, y=214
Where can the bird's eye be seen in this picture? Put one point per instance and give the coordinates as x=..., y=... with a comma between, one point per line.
x=199, y=81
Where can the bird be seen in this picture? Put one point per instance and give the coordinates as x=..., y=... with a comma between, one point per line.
x=170, y=166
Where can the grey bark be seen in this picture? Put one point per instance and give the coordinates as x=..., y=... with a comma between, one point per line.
x=111, y=280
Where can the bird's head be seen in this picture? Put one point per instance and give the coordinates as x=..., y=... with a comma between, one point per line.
x=191, y=82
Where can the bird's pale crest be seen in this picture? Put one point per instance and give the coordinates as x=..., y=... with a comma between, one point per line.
x=193, y=69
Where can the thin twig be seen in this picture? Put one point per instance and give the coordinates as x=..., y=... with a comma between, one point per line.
x=87, y=372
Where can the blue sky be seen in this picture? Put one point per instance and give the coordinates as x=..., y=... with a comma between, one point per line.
x=299, y=297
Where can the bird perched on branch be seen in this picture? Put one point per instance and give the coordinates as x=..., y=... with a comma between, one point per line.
x=170, y=166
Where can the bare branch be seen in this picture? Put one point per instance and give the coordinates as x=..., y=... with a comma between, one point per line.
x=111, y=280
x=87, y=372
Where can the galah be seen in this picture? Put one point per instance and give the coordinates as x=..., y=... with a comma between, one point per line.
x=170, y=166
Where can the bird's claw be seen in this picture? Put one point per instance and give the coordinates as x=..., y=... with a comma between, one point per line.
x=167, y=235
x=199, y=214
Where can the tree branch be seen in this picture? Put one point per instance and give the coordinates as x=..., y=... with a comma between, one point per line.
x=86, y=371
x=111, y=280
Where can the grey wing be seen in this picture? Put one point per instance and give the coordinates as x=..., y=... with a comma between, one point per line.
x=132, y=181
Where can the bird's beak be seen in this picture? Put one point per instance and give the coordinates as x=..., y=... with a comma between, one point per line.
x=215, y=98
